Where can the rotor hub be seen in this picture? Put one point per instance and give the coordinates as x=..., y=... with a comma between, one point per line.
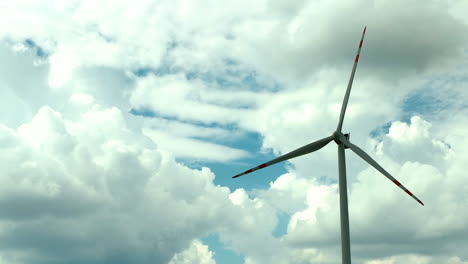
x=336, y=136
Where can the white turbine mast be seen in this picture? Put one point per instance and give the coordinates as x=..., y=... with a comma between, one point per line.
x=342, y=140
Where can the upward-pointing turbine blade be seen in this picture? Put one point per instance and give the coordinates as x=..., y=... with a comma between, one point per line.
x=350, y=83
x=374, y=164
x=314, y=146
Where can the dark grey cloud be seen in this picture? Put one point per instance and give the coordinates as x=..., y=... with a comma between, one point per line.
x=403, y=38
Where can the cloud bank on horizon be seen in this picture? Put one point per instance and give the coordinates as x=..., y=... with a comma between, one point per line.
x=104, y=103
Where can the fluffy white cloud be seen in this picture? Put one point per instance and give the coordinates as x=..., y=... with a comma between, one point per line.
x=175, y=95
x=199, y=150
x=197, y=253
x=408, y=141
x=99, y=192
x=385, y=220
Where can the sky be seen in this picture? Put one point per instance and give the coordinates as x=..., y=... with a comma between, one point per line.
x=122, y=122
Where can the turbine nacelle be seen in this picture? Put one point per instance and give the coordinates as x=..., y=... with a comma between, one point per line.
x=338, y=136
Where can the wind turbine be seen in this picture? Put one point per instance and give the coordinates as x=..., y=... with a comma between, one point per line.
x=342, y=140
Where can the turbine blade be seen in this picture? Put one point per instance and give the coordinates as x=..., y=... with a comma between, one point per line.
x=350, y=83
x=314, y=146
x=374, y=164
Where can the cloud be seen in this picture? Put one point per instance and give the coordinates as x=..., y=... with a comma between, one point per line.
x=174, y=96
x=69, y=182
x=415, y=136
x=409, y=227
x=22, y=96
x=199, y=150
x=84, y=177
x=197, y=253
x=411, y=258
